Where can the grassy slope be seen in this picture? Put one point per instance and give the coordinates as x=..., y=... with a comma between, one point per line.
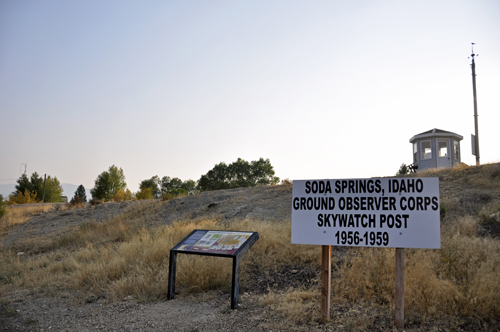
x=119, y=256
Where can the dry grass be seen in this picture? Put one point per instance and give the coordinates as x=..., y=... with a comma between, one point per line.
x=19, y=214
x=461, y=279
x=486, y=176
x=300, y=306
x=119, y=257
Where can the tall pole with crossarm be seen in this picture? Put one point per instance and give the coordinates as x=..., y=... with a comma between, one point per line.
x=476, y=137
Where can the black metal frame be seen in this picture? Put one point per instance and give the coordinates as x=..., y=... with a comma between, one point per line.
x=236, y=256
x=413, y=167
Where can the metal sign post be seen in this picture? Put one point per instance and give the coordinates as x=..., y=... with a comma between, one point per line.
x=213, y=243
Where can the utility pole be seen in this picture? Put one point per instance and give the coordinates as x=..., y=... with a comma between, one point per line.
x=476, y=137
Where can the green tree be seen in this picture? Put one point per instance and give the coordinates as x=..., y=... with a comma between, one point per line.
x=145, y=193
x=403, y=170
x=53, y=190
x=37, y=185
x=108, y=183
x=153, y=185
x=25, y=184
x=238, y=174
x=165, y=184
x=160, y=188
x=175, y=183
x=168, y=183
x=215, y=179
x=263, y=172
x=34, y=187
x=189, y=186
x=80, y=192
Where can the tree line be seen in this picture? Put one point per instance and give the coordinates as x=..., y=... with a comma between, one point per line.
x=111, y=184
x=34, y=190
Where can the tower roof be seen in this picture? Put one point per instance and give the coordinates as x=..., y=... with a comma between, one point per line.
x=436, y=133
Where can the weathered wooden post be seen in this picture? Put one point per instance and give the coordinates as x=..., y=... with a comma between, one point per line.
x=326, y=282
x=400, y=288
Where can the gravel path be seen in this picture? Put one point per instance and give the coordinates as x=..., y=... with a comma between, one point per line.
x=209, y=311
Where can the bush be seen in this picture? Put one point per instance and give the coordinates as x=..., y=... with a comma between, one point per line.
x=145, y=193
x=23, y=198
x=76, y=201
x=3, y=208
x=95, y=201
x=403, y=170
x=178, y=192
x=123, y=195
x=442, y=211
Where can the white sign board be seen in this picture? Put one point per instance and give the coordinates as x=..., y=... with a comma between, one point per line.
x=384, y=212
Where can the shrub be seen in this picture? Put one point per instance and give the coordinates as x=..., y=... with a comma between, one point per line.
x=145, y=193
x=76, y=201
x=3, y=208
x=95, y=201
x=22, y=198
x=442, y=211
x=123, y=195
x=403, y=170
x=178, y=192
x=120, y=196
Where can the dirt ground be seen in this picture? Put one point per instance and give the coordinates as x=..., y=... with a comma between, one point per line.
x=209, y=311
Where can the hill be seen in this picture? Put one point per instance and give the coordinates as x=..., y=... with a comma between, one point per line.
x=105, y=266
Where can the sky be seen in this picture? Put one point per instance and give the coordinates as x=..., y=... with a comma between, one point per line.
x=324, y=89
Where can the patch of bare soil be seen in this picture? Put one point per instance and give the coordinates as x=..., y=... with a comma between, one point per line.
x=208, y=311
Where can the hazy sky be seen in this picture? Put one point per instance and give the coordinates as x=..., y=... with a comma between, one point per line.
x=324, y=89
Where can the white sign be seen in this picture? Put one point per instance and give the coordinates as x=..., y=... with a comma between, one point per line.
x=383, y=212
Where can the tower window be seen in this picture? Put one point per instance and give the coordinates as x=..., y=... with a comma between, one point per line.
x=456, y=150
x=425, y=147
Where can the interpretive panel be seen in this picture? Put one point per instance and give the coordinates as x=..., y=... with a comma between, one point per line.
x=383, y=212
x=213, y=242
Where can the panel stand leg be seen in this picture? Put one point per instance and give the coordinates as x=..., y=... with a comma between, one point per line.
x=235, y=287
x=172, y=266
x=400, y=288
x=326, y=277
